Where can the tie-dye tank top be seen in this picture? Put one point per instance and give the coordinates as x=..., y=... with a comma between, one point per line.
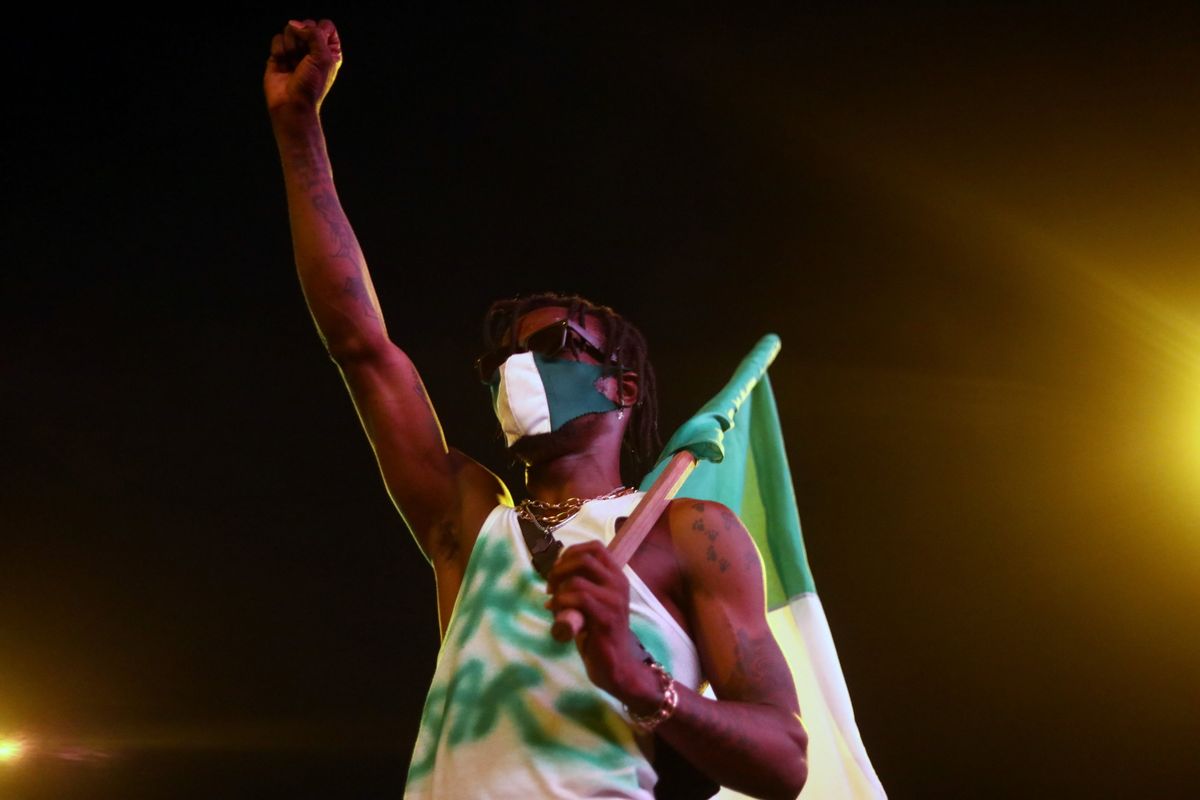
x=511, y=712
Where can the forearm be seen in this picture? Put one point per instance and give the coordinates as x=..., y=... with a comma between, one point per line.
x=333, y=273
x=757, y=749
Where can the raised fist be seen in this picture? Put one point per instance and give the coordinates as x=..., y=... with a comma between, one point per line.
x=303, y=64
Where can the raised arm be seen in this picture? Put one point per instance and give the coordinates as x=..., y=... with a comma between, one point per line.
x=442, y=495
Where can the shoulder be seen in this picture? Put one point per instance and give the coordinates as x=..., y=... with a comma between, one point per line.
x=709, y=520
x=477, y=481
x=714, y=548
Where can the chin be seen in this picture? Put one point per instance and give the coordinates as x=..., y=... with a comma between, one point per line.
x=574, y=436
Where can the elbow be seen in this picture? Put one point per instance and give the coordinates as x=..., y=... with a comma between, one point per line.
x=795, y=775
x=787, y=769
x=356, y=349
x=792, y=783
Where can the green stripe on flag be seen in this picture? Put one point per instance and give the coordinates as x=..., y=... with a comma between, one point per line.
x=769, y=488
x=744, y=465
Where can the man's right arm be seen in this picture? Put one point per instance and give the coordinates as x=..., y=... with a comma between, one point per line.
x=442, y=494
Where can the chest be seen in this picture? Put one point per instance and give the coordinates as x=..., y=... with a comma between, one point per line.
x=655, y=562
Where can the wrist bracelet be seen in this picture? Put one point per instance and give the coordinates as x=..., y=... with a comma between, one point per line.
x=649, y=722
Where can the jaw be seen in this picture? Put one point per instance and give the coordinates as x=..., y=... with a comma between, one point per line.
x=580, y=459
x=576, y=437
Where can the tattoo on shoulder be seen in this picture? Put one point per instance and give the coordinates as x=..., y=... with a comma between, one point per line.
x=751, y=559
x=721, y=562
x=728, y=519
x=700, y=526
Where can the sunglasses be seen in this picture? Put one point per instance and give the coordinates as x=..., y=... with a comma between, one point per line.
x=549, y=341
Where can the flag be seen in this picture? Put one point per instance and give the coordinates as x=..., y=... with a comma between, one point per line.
x=741, y=462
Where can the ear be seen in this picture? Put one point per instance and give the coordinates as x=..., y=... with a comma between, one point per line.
x=630, y=389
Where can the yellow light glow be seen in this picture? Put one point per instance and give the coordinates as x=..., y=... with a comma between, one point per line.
x=11, y=749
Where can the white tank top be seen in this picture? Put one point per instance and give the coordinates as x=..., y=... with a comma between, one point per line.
x=511, y=712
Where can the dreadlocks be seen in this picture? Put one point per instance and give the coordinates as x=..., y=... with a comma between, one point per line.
x=641, y=443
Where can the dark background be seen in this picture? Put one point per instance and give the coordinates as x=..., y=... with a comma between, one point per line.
x=975, y=228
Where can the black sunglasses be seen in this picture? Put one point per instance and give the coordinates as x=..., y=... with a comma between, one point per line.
x=549, y=341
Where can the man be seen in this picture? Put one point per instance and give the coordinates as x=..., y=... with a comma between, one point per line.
x=511, y=712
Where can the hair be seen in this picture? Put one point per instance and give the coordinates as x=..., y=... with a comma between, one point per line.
x=642, y=442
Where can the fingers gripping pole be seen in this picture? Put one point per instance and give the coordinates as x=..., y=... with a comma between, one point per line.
x=568, y=623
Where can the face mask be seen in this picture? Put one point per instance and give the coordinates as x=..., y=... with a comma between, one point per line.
x=533, y=394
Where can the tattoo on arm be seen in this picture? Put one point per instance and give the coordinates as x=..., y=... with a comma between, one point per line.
x=760, y=674
x=326, y=205
x=355, y=288
x=728, y=519
x=345, y=248
x=418, y=389
x=312, y=177
x=711, y=534
x=446, y=541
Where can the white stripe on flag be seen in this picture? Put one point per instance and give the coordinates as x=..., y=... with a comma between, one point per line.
x=838, y=767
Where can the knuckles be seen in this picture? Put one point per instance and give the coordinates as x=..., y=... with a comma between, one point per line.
x=577, y=584
x=568, y=571
x=307, y=37
x=586, y=578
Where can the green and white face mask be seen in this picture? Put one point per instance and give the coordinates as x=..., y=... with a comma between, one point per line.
x=532, y=394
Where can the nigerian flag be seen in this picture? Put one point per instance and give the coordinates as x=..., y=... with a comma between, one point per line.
x=741, y=462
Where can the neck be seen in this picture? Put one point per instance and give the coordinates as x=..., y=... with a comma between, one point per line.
x=583, y=475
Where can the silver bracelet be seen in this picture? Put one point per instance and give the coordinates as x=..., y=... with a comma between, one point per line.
x=649, y=722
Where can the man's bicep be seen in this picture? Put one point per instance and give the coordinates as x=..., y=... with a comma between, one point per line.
x=423, y=476
x=738, y=652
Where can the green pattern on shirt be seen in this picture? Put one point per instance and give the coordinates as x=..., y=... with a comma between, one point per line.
x=474, y=699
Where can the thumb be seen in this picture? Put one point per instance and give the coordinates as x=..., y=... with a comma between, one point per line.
x=329, y=33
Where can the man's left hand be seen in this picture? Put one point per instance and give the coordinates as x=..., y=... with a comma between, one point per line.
x=586, y=578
